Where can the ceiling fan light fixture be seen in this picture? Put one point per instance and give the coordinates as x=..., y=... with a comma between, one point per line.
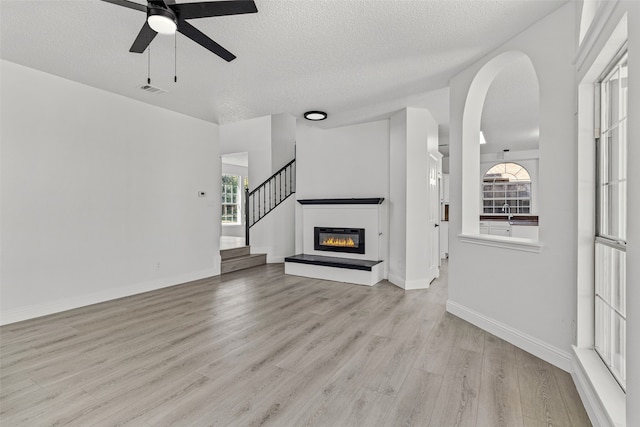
x=315, y=115
x=162, y=21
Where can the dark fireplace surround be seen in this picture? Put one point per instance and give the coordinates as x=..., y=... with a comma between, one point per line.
x=345, y=240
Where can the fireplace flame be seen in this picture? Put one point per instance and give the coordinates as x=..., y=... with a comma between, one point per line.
x=333, y=241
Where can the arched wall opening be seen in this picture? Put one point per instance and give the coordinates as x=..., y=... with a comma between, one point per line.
x=471, y=126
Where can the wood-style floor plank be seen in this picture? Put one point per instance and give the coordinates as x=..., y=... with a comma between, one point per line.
x=499, y=402
x=577, y=414
x=257, y=348
x=416, y=400
x=540, y=395
x=457, y=401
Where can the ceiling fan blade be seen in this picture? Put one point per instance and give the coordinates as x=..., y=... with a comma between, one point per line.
x=129, y=4
x=197, y=36
x=145, y=36
x=213, y=8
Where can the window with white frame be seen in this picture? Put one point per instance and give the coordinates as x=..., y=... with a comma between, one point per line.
x=506, y=188
x=231, y=207
x=611, y=213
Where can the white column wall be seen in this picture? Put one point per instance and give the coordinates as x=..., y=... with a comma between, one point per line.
x=398, y=198
x=412, y=132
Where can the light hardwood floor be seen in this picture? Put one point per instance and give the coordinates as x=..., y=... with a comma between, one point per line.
x=257, y=347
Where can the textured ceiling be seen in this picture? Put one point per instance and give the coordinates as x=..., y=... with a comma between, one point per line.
x=510, y=117
x=359, y=60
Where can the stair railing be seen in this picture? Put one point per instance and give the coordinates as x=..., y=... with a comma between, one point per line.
x=264, y=198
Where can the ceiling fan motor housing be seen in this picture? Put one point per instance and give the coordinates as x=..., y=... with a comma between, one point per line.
x=162, y=13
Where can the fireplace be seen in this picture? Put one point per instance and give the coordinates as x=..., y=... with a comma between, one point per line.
x=349, y=240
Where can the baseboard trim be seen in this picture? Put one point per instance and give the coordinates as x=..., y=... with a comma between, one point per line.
x=396, y=280
x=38, y=310
x=271, y=259
x=416, y=284
x=539, y=348
x=409, y=285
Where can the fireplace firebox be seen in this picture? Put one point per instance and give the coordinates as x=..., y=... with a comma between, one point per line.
x=349, y=240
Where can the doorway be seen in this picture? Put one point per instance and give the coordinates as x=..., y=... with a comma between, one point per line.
x=233, y=181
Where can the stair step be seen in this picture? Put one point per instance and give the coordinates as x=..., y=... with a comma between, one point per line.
x=235, y=252
x=242, y=262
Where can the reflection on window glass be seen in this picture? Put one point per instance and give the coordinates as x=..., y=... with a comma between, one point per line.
x=506, y=188
x=611, y=235
x=230, y=194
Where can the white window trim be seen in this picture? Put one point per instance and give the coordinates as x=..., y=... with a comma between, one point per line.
x=512, y=243
x=596, y=385
x=602, y=396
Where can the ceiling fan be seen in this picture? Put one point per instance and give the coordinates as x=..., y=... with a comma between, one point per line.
x=165, y=17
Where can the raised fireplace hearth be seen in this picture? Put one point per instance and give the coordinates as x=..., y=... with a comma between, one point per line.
x=346, y=240
x=341, y=240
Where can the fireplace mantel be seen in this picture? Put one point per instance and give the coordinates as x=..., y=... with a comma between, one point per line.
x=353, y=201
x=367, y=215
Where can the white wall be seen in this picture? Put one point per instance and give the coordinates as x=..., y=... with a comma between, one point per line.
x=345, y=162
x=283, y=139
x=254, y=137
x=350, y=161
x=100, y=195
x=274, y=234
x=526, y=298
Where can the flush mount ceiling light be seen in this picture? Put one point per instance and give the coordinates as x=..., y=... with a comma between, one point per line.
x=162, y=21
x=315, y=115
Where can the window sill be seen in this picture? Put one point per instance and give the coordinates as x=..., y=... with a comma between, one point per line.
x=602, y=396
x=229, y=224
x=513, y=243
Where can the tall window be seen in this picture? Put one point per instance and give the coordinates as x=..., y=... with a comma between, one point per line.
x=231, y=211
x=506, y=188
x=611, y=211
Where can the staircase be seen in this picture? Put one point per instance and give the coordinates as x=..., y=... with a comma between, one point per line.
x=258, y=203
x=268, y=195
x=235, y=259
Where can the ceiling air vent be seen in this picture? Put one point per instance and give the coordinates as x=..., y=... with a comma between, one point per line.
x=153, y=89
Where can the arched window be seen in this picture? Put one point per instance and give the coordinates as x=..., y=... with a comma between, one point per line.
x=506, y=189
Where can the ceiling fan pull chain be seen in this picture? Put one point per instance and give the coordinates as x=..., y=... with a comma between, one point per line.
x=149, y=66
x=175, y=57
